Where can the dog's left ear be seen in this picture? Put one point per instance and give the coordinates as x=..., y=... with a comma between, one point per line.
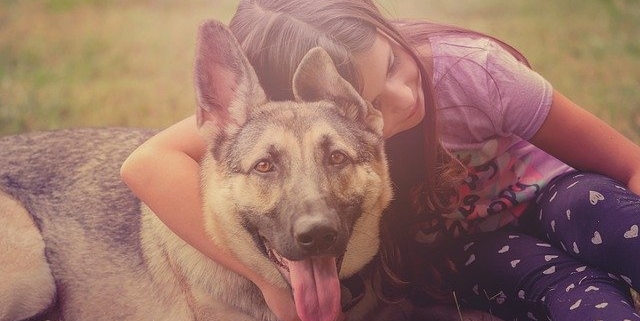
x=318, y=79
x=227, y=87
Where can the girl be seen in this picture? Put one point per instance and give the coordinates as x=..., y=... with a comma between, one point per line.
x=509, y=195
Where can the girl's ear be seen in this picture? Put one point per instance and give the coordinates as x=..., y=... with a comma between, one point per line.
x=226, y=85
x=318, y=79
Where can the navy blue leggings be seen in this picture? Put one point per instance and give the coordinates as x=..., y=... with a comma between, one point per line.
x=573, y=257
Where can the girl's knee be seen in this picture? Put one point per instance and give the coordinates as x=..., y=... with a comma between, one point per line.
x=589, y=294
x=512, y=262
x=585, y=199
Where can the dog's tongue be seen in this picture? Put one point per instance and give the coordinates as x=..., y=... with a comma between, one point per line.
x=316, y=288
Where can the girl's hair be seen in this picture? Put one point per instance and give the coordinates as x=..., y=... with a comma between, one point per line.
x=276, y=34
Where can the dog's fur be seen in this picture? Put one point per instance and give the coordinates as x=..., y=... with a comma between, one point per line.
x=299, y=183
x=306, y=179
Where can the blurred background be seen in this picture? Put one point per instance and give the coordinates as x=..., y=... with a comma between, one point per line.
x=73, y=63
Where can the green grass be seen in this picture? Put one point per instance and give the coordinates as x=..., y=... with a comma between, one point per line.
x=70, y=63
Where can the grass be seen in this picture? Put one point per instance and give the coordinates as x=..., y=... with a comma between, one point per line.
x=72, y=63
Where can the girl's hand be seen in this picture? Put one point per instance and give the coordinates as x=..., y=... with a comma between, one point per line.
x=280, y=301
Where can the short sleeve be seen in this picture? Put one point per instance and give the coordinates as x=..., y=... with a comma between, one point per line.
x=523, y=96
x=483, y=91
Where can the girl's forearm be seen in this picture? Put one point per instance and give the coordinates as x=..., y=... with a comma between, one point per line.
x=169, y=185
x=165, y=174
x=577, y=137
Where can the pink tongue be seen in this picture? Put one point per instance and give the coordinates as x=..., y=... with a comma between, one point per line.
x=316, y=288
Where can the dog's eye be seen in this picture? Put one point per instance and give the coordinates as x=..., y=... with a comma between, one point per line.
x=264, y=166
x=337, y=158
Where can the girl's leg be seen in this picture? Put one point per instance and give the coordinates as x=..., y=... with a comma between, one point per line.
x=515, y=276
x=595, y=219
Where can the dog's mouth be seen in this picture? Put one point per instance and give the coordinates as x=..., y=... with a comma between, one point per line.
x=282, y=263
x=314, y=281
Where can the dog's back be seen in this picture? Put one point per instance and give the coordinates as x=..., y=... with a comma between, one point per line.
x=66, y=178
x=68, y=181
x=294, y=189
x=68, y=166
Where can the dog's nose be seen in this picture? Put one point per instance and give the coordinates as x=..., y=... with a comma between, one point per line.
x=315, y=236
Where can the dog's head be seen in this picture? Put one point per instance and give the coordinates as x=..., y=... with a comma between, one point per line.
x=295, y=189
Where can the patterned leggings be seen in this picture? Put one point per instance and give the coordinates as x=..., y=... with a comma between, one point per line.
x=575, y=260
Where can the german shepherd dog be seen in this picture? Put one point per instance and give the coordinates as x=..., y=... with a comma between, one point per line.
x=293, y=189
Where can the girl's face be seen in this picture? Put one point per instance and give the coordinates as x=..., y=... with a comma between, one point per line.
x=392, y=84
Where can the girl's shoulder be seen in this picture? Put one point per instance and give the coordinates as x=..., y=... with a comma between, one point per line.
x=471, y=55
x=478, y=78
x=459, y=44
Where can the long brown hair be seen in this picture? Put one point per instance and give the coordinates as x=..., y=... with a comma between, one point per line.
x=276, y=34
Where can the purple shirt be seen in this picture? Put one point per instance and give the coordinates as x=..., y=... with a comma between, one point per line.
x=489, y=104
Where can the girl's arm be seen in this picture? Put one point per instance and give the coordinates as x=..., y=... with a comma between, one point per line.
x=164, y=173
x=585, y=142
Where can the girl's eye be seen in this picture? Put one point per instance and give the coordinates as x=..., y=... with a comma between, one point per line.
x=337, y=158
x=264, y=166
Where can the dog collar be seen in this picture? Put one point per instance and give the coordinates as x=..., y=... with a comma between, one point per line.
x=353, y=291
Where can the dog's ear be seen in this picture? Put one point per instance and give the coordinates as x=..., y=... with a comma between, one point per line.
x=318, y=79
x=226, y=84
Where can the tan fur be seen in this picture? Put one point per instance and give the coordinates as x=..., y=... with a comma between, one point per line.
x=24, y=272
x=98, y=254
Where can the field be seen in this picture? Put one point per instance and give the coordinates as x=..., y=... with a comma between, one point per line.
x=70, y=63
